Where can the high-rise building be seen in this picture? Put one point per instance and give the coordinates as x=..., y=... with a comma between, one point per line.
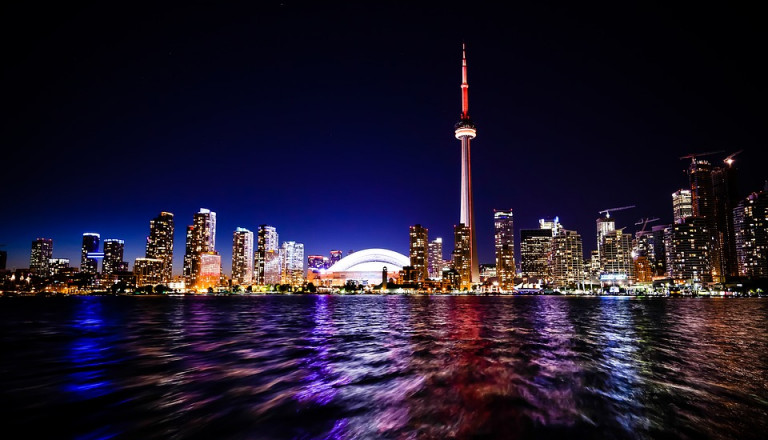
x=605, y=225
x=113, y=257
x=90, y=246
x=57, y=266
x=465, y=131
x=267, y=256
x=292, y=261
x=148, y=271
x=462, y=255
x=682, y=205
x=535, y=247
x=659, y=250
x=616, y=257
x=160, y=245
x=504, y=243
x=200, y=239
x=751, y=235
x=725, y=188
x=316, y=262
x=209, y=274
x=242, y=256
x=688, y=247
x=704, y=206
x=567, y=259
x=435, y=259
x=336, y=257
x=418, y=251
x=39, y=259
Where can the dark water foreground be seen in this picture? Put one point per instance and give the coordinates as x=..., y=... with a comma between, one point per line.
x=384, y=367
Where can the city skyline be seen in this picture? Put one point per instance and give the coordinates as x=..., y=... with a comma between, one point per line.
x=531, y=130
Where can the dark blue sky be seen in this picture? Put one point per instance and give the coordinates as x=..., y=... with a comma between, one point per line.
x=334, y=122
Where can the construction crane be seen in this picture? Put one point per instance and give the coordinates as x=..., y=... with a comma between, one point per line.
x=610, y=210
x=644, y=222
x=729, y=159
x=693, y=156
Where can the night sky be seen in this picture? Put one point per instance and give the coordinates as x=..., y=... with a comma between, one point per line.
x=334, y=122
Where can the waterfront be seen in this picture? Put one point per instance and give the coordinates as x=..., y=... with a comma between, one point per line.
x=385, y=367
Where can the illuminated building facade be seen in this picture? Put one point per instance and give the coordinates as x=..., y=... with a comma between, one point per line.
x=242, y=256
x=39, y=259
x=535, y=247
x=435, y=262
x=704, y=207
x=418, y=252
x=316, y=262
x=209, y=274
x=725, y=188
x=682, y=205
x=200, y=239
x=567, y=259
x=465, y=131
x=751, y=235
x=160, y=244
x=336, y=256
x=90, y=245
x=113, y=257
x=616, y=262
x=364, y=267
x=292, y=260
x=487, y=272
x=462, y=255
x=267, y=260
x=148, y=271
x=504, y=244
x=57, y=266
x=658, y=245
x=689, y=244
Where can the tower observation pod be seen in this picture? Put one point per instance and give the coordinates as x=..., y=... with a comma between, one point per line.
x=465, y=131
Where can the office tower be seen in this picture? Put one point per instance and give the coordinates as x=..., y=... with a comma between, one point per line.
x=688, y=247
x=148, y=271
x=42, y=251
x=567, y=259
x=336, y=257
x=57, y=266
x=725, y=188
x=462, y=258
x=200, y=239
x=682, y=205
x=267, y=256
x=160, y=244
x=316, y=262
x=616, y=257
x=209, y=274
x=504, y=243
x=292, y=261
x=418, y=240
x=751, y=235
x=704, y=206
x=113, y=257
x=465, y=131
x=435, y=259
x=659, y=250
x=242, y=256
x=90, y=246
x=535, y=247
x=551, y=224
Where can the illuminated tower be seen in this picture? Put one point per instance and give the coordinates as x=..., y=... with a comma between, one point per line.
x=504, y=240
x=160, y=244
x=419, y=251
x=465, y=131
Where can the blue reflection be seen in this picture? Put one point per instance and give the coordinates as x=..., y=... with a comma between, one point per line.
x=88, y=352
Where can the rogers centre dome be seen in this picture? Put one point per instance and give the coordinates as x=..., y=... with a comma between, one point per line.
x=363, y=266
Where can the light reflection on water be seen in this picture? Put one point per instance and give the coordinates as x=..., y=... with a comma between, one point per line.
x=385, y=367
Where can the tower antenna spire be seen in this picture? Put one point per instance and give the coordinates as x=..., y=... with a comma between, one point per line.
x=464, y=84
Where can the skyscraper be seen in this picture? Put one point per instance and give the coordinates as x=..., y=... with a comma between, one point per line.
x=682, y=205
x=57, y=265
x=418, y=252
x=704, y=207
x=461, y=255
x=435, y=259
x=535, y=247
x=465, y=131
x=200, y=239
x=616, y=262
x=242, y=256
x=148, y=271
x=725, y=188
x=209, y=274
x=504, y=241
x=316, y=262
x=292, y=261
x=90, y=245
x=160, y=245
x=751, y=235
x=688, y=246
x=113, y=257
x=267, y=259
x=39, y=259
x=567, y=259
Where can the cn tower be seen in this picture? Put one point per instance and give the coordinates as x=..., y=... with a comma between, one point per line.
x=465, y=131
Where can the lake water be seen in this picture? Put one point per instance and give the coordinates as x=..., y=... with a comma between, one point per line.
x=402, y=367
